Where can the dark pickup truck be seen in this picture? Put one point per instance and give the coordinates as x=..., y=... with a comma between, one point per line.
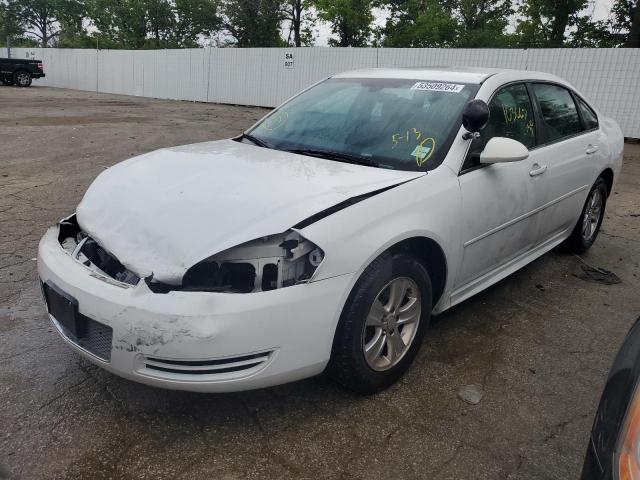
x=20, y=72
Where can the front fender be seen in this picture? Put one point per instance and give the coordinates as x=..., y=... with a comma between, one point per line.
x=429, y=206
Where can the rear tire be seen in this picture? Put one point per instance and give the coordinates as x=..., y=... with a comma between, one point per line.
x=22, y=78
x=588, y=226
x=382, y=324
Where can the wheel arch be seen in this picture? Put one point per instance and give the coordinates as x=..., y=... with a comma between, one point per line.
x=607, y=176
x=432, y=256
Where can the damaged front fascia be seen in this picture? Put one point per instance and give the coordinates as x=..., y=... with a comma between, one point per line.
x=263, y=260
x=267, y=263
x=93, y=256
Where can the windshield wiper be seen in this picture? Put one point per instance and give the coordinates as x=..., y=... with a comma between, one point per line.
x=255, y=140
x=330, y=155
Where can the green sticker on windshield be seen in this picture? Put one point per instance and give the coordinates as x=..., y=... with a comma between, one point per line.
x=420, y=152
x=424, y=150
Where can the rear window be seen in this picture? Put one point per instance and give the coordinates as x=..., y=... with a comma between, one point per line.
x=559, y=112
x=588, y=115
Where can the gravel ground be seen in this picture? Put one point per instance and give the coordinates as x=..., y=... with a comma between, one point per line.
x=537, y=346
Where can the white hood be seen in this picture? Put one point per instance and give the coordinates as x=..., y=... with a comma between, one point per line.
x=164, y=211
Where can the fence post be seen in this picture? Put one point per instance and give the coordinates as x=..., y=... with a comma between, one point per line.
x=97, y=70
x=209, y=72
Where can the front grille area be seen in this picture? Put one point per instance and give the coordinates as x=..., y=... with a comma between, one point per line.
x=218, y=366
x=87, y=251
x=95, y=337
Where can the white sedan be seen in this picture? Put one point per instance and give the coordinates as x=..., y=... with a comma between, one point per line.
x=325, y=237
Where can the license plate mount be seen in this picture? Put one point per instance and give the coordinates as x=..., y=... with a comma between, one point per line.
x=64, y=309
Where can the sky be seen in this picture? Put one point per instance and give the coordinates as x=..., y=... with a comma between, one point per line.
x=598, y=8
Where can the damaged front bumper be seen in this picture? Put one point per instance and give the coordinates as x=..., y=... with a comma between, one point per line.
x=199, y=341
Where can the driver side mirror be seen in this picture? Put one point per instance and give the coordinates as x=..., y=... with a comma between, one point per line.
x=502, y=150
x=475, y=116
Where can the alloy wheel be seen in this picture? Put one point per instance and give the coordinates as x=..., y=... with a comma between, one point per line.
x=592, y=214
x=23, y=79
x=391, y=324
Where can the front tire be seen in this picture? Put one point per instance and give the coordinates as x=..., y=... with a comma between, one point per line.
x=22, y=78
x=382, y=324
x=588, y=226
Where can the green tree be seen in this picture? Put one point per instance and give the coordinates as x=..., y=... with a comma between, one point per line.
x=152, y=23
x=482, y=23
x=545, y=22
x=588, y=33
x=194, y=18
x=160, y=22
x=120, y=23
x=39, y=17
x=10, y=25
x=419, y=23
x=350, y=20
x=446, y=23
x=300, y=18
x=72, y=19
x=254, y=23
x=625, y=22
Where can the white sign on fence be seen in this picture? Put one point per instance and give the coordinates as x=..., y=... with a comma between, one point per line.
x=288, y=60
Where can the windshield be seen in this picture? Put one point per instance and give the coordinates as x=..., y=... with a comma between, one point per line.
x=400, y=124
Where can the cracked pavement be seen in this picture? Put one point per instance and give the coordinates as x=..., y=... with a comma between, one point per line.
x=541, y=355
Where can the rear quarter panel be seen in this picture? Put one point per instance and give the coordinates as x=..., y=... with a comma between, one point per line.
x=614, y=141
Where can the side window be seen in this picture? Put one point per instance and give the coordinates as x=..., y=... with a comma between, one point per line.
x=511, y=115
x=558, y=111
x=588, y=115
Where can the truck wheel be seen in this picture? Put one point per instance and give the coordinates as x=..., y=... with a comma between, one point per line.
x=22, y=78
x=6, y=80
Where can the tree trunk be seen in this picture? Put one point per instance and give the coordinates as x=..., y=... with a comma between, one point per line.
x=345, y=34
x=633, y=39
x=558, y=28
x=297, y=22
x=43, y=30
x=44, y=16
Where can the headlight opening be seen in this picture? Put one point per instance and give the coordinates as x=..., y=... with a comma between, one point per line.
x=268, y=263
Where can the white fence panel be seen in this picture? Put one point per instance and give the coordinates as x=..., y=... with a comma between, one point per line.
x=470, y=57
x=610, y=78
x=116, y=71
x=257, y=76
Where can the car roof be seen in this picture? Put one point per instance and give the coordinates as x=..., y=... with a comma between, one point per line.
x=448, y=74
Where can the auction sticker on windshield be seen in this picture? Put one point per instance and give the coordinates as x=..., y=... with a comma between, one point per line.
x=437, y=87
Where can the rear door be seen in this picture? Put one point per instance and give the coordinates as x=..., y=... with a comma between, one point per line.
x=568, y=146
x=500, y=202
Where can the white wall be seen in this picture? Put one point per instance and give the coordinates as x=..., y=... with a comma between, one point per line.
x=610, y=78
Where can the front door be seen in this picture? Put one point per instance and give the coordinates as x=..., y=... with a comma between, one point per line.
x=501, y=202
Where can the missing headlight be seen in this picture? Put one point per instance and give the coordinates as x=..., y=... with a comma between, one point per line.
x=264, y=264
x=224, y=277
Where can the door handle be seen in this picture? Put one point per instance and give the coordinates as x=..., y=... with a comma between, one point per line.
x=591, y=149
x=537, y=170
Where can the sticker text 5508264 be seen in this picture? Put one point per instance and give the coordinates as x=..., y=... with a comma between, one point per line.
x=438, y=87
